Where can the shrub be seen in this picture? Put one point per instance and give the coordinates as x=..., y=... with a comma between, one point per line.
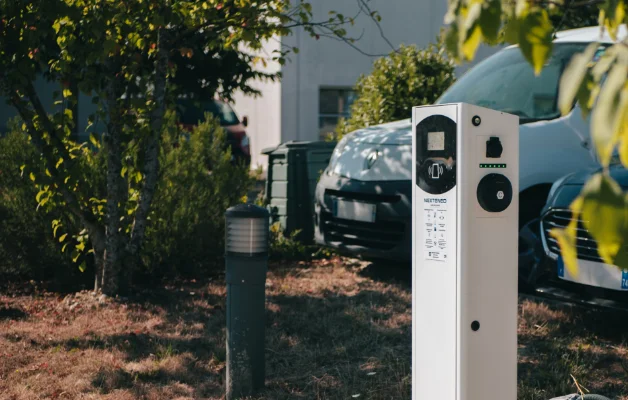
x=27, y=247
x=406, y=78
x=186, y=233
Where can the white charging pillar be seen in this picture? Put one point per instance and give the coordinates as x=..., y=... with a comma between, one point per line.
x=464, y=268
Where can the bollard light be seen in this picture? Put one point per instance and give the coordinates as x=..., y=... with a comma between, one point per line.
x=246, y=263
x=247, y=230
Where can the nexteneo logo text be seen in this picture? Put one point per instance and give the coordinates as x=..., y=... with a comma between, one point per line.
x=440, y=201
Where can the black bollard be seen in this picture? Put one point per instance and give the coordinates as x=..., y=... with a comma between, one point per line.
x=246, y=262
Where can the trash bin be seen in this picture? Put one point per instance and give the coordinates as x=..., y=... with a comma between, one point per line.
x=293, y=172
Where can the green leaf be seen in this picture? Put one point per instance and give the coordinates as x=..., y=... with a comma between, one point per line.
x=67, y=93
x=64, y=246
x=54, y=231
x=623, y=130
x=80, y=246
x=451, y=41
x=32, y=176
x=490, y=20
x=573, y=77
x=511, y=31
x=535, y=38
x=39, y=194
x=123, y=171
x=82, y=267
x=62, y=237
x=566, y=238
x=612, y=15
x=95, y=142
x=607, y=115
x=472, y=42
x=605, y=215
x=59, y=163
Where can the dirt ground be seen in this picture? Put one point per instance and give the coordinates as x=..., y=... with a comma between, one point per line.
x=336, y=329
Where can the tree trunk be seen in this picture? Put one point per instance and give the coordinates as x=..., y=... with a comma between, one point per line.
x=113, y=251
x=150, y=167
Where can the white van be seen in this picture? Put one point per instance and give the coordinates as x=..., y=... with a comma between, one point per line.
x=372, y=166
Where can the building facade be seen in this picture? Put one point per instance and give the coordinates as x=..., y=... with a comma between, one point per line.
x=316, y=85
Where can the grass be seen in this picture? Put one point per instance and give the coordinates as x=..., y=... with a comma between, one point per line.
x=335, y=330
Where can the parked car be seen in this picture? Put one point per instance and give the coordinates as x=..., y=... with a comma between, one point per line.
x=191, y=111
x=596, y=281
x=373, y=165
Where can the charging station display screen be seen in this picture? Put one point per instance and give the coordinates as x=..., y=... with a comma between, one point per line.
x=435, y=141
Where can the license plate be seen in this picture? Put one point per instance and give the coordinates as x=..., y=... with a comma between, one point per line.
x=594, y=274
x=354, y=210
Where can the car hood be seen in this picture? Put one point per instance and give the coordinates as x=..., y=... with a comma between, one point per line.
x=617, y=172
x=572, y=184
x=392, y=133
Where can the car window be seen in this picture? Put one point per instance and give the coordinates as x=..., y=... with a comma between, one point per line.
x=193, y=111
x=506, y=82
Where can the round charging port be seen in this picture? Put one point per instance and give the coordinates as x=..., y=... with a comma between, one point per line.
x=494, y=193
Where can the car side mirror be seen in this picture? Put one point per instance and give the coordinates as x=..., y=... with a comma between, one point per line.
x=245, y=121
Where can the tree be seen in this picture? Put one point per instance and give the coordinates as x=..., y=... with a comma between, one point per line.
x=572, y=17
x=405, y=78
x=134, y=58
x=598, y=84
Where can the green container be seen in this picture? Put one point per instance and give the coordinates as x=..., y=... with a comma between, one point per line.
x=293, y=172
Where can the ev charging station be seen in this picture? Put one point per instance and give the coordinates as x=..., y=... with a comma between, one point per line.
x=465, y=185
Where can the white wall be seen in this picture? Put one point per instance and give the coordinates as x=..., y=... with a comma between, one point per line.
x=264, y=112
x=330, y=63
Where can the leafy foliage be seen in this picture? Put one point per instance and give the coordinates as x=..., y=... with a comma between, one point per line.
x=284, y=247
x=598, y=83
x=186, y=231
x=185, y=235
x=134, y=59
x=405, y=78
x=572, y=16
x=27, y=247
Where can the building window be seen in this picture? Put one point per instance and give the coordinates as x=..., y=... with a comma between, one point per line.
x=333, y=104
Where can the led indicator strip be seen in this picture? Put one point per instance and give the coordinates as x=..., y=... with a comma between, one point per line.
x=492, y=165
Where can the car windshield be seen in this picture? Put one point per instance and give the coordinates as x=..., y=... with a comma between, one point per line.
x=506, y=82
x=192, y=111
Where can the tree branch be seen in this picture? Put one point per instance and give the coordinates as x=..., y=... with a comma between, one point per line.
x=87, y=218
x=364, y=5
x=150, y=168
x=32, y=96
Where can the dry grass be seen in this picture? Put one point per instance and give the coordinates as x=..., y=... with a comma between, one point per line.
x=332, y=332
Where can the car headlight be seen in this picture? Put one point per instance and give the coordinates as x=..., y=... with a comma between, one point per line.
x=556, y=185
x=338, y=151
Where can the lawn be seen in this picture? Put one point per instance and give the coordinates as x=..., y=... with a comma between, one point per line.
x=336, y=329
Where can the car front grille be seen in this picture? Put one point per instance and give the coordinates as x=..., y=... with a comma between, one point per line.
x=585, y=244
x=380, y=235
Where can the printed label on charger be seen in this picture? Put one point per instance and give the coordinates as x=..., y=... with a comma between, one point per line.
x=435, y=227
